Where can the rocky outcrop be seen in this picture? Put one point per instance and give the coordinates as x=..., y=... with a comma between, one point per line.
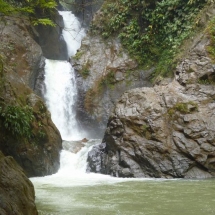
x=104, y=73
x=51, y=40
x=22, y=58
x=16, y=190
x=22, y=54
x=38, y=155
x=167, y=131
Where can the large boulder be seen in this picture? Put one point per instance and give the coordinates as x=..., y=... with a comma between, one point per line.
x=16, y=190
x=167, y=131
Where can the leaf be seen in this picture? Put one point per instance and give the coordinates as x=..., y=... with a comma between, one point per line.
x=43, y=22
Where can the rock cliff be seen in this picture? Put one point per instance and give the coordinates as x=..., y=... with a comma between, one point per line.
x=16, y=190
x=104, y=72
x=168, y=130
x=21, y=60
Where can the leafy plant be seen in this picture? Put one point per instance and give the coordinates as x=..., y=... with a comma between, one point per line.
x=29, y=9
x=17, y=120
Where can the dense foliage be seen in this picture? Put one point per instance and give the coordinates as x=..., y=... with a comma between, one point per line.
x=29, y=9
x=17, y=119
x=151, y=30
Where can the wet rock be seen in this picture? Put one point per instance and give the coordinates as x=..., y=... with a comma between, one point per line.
x=84, y=140
x=17, y=194
x=73, y=146
x=94, y=158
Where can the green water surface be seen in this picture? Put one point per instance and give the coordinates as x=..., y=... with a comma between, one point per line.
x=147, y=197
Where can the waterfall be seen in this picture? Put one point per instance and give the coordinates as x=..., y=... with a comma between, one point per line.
x=72, y=33
x=61, y=91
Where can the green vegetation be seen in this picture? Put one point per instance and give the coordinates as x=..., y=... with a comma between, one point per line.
x=1, y=65
x=107, y=80
x=183, y=107
x=17, y=119
x=207, y=79
x=211, y=33
x=85, y=71
x=29, y=9
x=152, y=31
x=78, y=55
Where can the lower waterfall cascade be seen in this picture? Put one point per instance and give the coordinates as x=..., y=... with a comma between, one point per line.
x=60, y=82
x=72, y=191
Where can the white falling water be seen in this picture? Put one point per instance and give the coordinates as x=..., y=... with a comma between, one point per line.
x=61, y=96
x=60, y=82
x=72, y=33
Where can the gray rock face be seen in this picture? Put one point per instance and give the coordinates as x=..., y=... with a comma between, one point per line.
x=16, y=190
x=167, y=131
x=104, y=73
x=39, y=84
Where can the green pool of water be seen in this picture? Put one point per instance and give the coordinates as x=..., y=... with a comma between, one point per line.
x=146, y=197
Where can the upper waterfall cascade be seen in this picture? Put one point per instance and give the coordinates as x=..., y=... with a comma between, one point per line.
x=60, y=82
x=72, y=32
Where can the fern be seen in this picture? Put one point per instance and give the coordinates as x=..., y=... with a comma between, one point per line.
x=17, y=120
